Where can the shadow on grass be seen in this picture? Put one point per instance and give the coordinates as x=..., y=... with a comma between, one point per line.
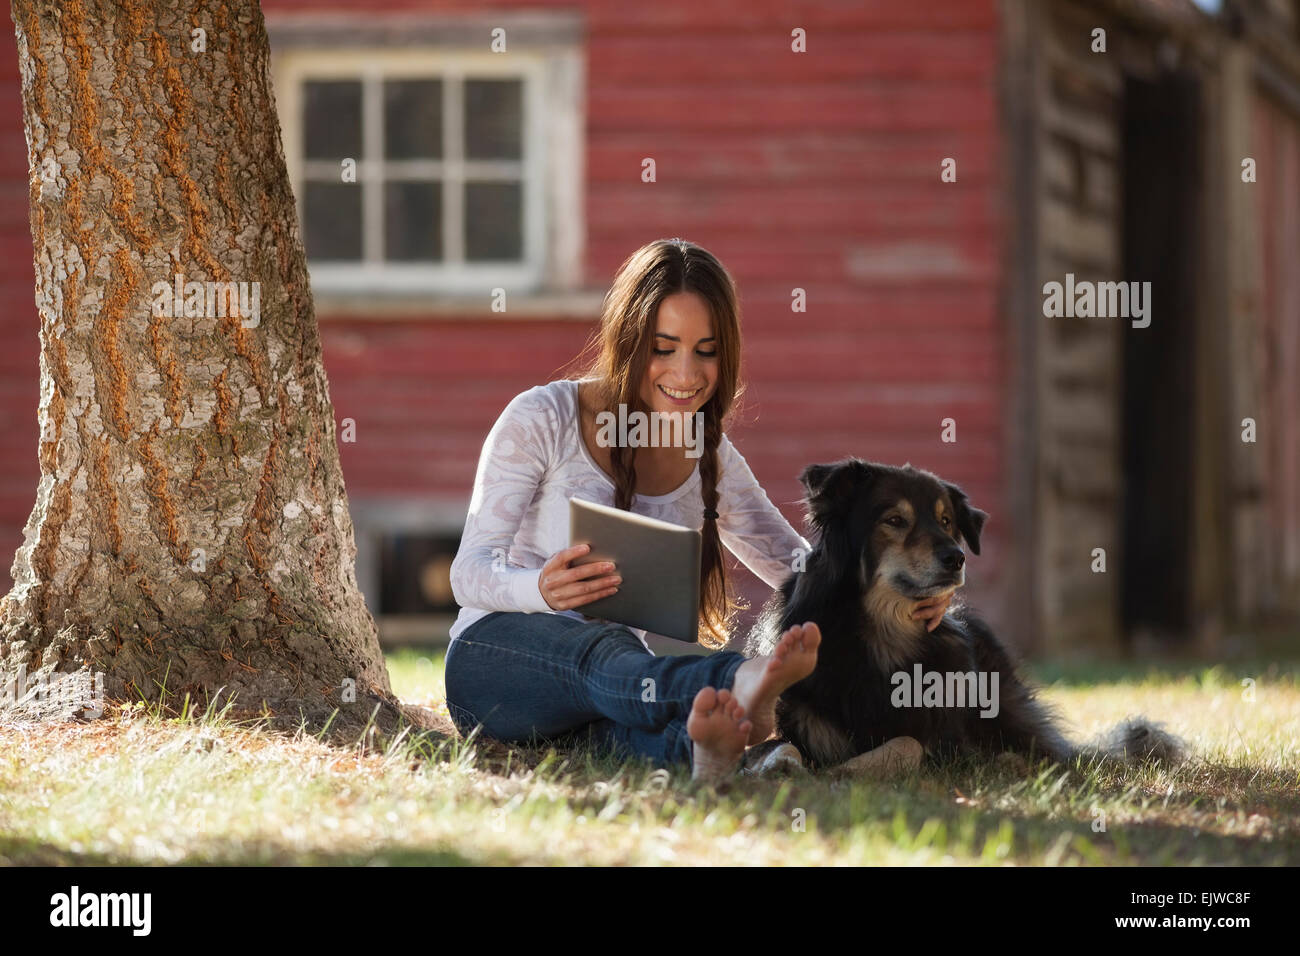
x=1053, y=814
x=974, y=810
x=19, y=852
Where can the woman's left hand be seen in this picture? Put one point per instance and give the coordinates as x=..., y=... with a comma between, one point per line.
x=932, y=610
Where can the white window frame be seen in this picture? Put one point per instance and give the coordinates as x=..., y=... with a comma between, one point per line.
x=371, y=68
x=545, y=51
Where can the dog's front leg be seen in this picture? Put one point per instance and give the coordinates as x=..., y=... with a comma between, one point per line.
x=897, y=756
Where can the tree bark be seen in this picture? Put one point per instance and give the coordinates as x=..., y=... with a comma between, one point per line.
x=191, y=527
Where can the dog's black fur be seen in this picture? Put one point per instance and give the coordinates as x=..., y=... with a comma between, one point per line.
x=888, y=538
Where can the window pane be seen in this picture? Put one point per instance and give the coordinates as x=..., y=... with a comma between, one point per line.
x=413, y=119
x=415, y=573
x=494, y=221
x=412, y=221
x=332, y=118
x=332, y=220
x=494, y=119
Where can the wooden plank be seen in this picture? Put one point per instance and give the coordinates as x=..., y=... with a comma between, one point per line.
x=657, y=108
x=849, y=157
x=775, y=15
x=846, y=56
x=1079, y=236
x=1096, y=132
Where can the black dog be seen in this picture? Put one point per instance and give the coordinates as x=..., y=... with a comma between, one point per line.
x=890, y=537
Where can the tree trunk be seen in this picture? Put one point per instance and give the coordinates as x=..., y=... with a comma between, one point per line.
x=191, y=528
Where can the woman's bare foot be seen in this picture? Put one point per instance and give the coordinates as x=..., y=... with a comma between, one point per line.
x=718, y=726
x=761, y=680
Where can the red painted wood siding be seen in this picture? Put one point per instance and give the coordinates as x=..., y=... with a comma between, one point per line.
x=818, y=170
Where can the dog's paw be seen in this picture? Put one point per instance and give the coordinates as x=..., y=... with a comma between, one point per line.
x=780, y=761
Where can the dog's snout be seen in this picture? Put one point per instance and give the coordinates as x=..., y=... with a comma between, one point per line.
x=952, y=558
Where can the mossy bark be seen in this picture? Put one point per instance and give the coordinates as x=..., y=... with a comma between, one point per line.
x=191, y=526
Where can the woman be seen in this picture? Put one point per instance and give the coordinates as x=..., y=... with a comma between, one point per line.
x=523, y=661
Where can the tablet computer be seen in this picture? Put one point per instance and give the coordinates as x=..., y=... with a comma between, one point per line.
x=658, y=561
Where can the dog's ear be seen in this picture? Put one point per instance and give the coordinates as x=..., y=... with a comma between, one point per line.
x=836, y=481
x=813, y=478
x=970, y=521
x=833, y=492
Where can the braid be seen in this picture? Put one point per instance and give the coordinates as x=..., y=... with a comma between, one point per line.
x=715, y=603
x=623, y=461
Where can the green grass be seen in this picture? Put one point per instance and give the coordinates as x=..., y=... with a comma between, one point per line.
x=140, y=787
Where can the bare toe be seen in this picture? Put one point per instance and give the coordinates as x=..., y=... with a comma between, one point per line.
x=719, y=730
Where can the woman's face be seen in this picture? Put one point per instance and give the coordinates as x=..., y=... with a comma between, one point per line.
x=683, y=369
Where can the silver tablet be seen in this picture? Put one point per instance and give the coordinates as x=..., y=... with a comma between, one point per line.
x=658, y=561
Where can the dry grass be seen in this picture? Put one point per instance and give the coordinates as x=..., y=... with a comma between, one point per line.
x=142, y=788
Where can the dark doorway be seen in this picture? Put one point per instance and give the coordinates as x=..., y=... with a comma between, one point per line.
x=1161, y=187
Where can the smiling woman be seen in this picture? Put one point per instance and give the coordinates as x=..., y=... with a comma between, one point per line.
x=524, y=663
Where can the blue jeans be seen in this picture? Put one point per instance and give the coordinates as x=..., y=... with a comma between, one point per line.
x=548, y=678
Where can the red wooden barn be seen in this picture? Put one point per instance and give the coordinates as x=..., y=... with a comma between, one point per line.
x=470, y=176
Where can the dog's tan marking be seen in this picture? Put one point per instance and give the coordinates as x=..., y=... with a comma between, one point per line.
x=941, y=510
x=897, y=635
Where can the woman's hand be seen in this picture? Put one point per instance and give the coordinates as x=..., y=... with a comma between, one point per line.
x=932, y=610
x=565, y=587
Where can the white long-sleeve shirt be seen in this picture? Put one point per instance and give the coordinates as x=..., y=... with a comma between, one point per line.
x=534, y=460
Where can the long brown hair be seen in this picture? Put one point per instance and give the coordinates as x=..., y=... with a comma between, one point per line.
x=624, y=342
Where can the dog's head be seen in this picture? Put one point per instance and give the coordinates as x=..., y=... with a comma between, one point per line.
x=901, y=529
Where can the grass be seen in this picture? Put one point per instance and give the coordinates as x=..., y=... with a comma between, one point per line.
x=143, y=787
